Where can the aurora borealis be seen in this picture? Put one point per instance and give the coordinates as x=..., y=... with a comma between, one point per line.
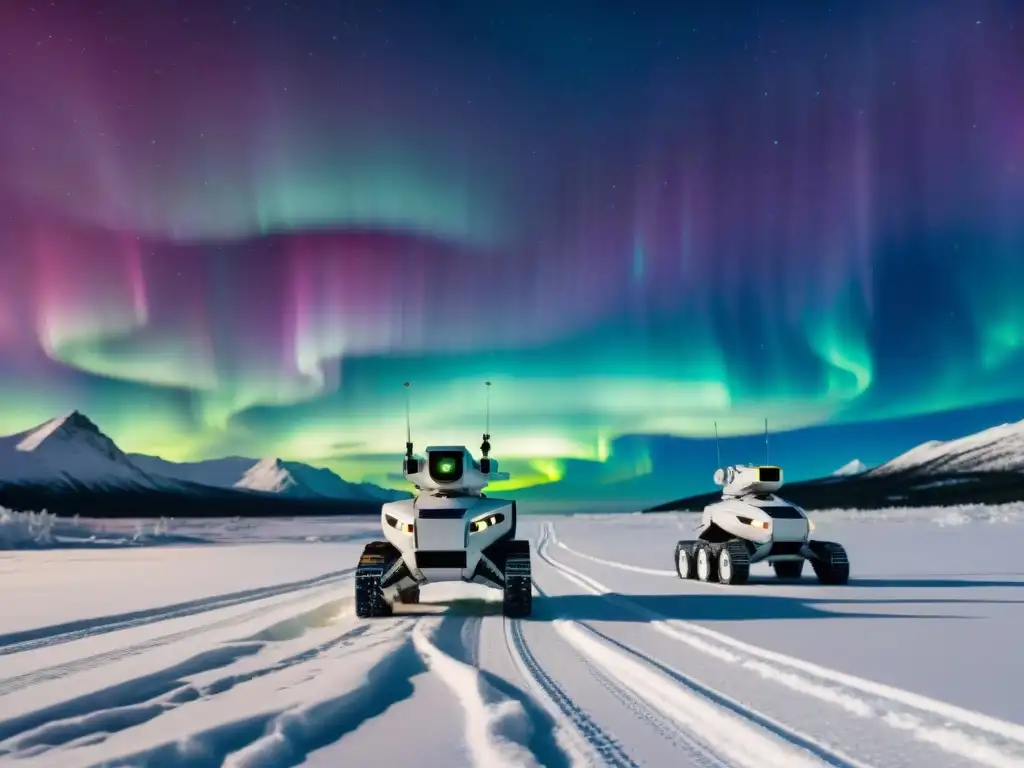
x=237, y=228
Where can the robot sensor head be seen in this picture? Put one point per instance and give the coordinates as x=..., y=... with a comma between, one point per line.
x=740, y=480
x=446, y=467
x=451, y=468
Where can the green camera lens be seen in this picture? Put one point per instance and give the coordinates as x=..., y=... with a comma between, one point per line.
x=446, y=466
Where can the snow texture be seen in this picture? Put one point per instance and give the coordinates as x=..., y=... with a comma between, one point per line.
x=242, y=649
x=997, y=449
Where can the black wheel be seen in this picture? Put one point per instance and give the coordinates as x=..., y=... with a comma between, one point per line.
x=517, y=600
x=830, y=563
x=376, y=558
x=685, y=564
x=789, y=569
x=705, y=555
x=733, y=563
x=409, y=596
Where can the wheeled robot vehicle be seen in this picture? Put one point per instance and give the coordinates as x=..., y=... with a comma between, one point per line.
x=450, y=531
x=751, y=524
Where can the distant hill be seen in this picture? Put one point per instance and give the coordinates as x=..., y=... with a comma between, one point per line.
x=983, y=468
x=69, y=466
x=287, y=478
x=854, y=467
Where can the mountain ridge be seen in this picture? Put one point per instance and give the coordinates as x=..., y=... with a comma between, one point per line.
x=69, y=460
x=985, y=467
x=996, y=449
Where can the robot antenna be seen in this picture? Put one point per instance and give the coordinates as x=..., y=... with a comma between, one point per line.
x=718, y=447
x=485, y=447
x=766, y=461
x=408, y=423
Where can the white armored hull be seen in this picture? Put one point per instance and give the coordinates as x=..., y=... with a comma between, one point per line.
x=739, y=531
x=443, y=538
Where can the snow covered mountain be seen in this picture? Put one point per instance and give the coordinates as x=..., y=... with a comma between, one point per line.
x=291, y=479
x=70, y=451
x=997, y=449
x=71, y=454
x=854, y=467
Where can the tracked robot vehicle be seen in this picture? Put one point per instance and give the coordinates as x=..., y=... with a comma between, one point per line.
x=751, y=524
x=450, y=531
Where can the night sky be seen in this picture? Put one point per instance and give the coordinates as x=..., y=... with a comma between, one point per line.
x=237, y=227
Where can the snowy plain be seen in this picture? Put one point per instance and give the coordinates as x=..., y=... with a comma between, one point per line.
x=233, y=642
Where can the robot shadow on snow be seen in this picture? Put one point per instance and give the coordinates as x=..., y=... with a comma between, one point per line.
x=467, y=607
x=939, y=581
x=720, y=606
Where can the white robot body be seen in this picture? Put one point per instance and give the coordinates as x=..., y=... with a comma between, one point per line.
x=762, y=522
x=443, y=538
x=449, y=532
x=750, y=525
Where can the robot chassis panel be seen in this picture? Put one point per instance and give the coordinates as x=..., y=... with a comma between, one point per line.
x=750, y=524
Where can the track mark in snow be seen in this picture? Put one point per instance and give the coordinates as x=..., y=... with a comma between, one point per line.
x=295, y=627
x=42, y=637
x=459, y=635
x=130, y=698
x=684, y=742
x=292, y=735
x=589, y=736
x=495, y=732
x=927, y=720
x=226, y=683
x=129, y=705
x=346, y=691
x=827, y=754
x=20, y=682
x=613, y=564
x=737, y=739
x=683, y=738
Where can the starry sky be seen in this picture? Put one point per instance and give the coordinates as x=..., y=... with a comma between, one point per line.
x=238, y=227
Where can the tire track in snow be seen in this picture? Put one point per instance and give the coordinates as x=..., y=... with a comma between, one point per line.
x=133, y=703
x=462, y=635
x=57, y=634
x=20, y=682
x=341, y=693
x=939, y=724
x=588, y=737
x=495, y=732
x=699, y=756
x=737, y=740
x=613, y=564
x=573, y=718
x=682, y=724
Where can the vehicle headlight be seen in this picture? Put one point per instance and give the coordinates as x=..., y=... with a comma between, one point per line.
x=398, y=525
x=763, y=525
x=810, y=524
x=486, y=521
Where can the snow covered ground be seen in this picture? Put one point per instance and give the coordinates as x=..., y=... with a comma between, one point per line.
x=234, y=643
